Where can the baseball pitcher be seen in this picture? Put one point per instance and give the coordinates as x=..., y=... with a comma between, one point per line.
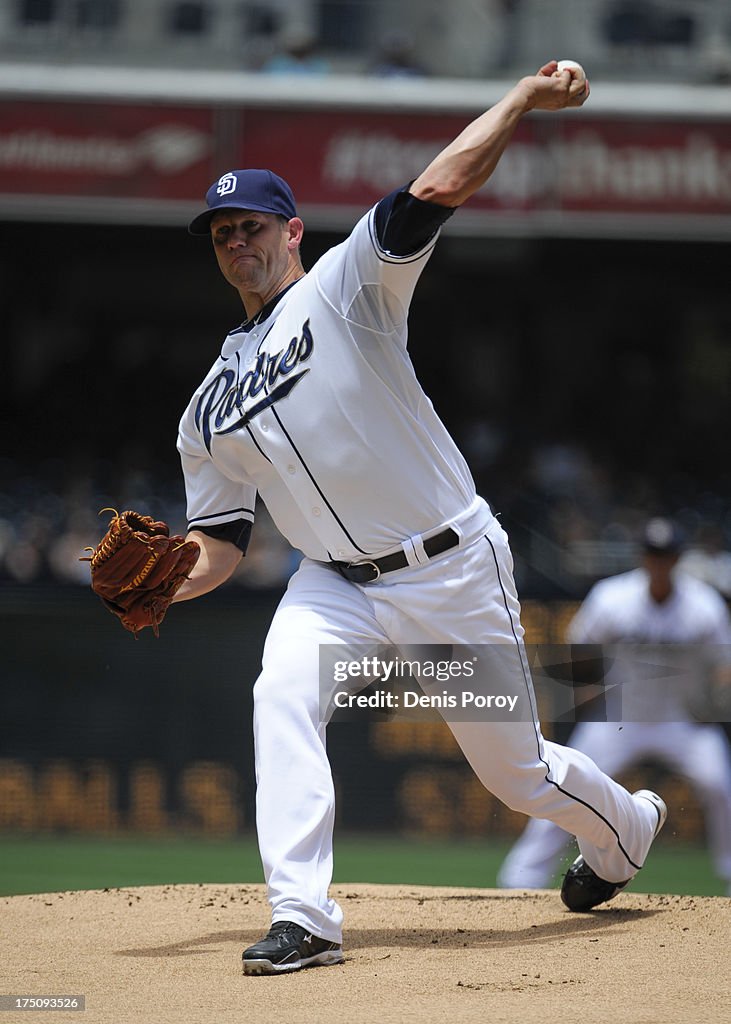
x=313, y=405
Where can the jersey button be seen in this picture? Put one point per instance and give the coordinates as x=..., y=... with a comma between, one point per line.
x=264, y=427
x=316, y=511
x=291, y=469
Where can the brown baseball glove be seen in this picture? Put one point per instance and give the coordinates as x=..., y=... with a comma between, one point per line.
x=137, y=568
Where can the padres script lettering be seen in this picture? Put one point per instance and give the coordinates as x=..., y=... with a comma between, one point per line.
x=226, y=395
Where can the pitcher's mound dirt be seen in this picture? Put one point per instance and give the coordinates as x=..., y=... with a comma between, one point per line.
x=413, y=954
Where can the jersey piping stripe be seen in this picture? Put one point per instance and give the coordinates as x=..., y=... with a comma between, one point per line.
x=572, y=796
x=315, y=483
x=217, y=515
x=259, y=447
x=239, y=331
x=385, y=257
x=278, y=418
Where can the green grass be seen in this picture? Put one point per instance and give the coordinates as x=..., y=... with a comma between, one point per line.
x=49, y=864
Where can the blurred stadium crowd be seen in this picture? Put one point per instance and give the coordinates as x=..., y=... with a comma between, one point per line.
x=571, y=521
x=656, y=38
x=48, y=519
x=573, y=438
x=575, y=444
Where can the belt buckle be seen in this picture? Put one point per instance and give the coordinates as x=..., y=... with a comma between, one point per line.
x=370, y=565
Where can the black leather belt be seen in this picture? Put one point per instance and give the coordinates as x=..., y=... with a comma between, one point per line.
x=369, y=572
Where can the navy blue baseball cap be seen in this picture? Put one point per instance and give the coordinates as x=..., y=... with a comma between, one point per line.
x=252, y=189
x=662, y=536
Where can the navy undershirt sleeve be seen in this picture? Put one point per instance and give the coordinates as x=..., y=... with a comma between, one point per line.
x=404, y=224
x=237, y=533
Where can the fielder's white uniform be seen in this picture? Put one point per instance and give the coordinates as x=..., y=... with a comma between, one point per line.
x=314, y=405
x=655, y=651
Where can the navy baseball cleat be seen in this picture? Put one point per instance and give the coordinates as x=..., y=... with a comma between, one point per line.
x=582, y=888
x=287, y=947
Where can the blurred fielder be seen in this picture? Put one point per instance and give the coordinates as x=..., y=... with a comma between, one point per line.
x=663, y=631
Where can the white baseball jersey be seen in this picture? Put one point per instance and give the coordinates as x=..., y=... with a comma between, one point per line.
x=656, y=650
x=317, y=408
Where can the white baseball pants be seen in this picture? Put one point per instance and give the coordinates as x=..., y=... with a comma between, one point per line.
x=699, y=752
x=465, y=596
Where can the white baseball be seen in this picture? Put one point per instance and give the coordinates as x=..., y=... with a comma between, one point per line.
x=571, y=65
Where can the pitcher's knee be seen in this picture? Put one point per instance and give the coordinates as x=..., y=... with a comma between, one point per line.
x=289, y=723
x=525, y=792
x=267, y=691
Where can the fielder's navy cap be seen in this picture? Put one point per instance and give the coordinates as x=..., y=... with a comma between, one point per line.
x=252, y=189
x=662, y=536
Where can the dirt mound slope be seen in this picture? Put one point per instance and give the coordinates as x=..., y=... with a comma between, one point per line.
x=413, y=954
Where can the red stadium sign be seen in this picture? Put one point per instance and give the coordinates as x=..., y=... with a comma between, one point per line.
x=99, y=149
x=562, y=174
x=567, y=164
